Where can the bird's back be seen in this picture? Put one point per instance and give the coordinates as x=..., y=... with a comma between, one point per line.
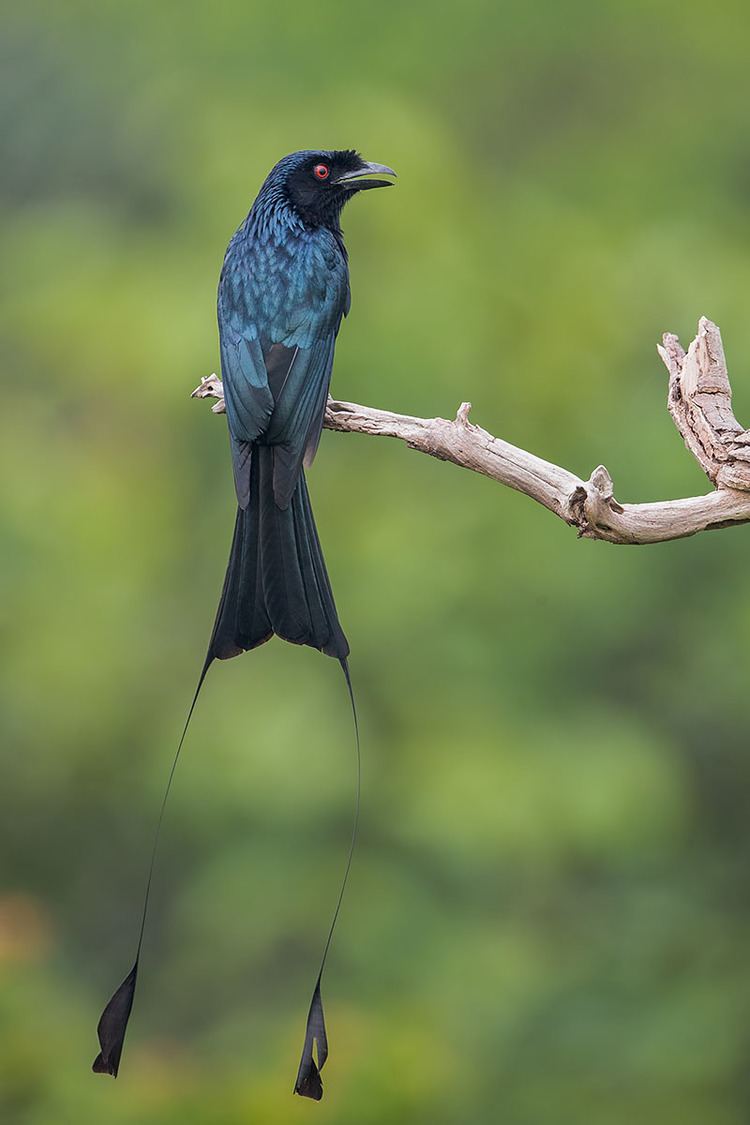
x=290, y=287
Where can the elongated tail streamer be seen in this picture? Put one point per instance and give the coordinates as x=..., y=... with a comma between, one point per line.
x=113, y=1022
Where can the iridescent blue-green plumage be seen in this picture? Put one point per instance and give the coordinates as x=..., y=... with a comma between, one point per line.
x=283, y=291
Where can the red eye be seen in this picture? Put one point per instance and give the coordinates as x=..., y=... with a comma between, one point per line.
x=321, y=171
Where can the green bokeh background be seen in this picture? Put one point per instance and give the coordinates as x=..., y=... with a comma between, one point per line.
x=548, y=921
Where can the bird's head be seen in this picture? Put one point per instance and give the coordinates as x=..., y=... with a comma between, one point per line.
x=317, y=184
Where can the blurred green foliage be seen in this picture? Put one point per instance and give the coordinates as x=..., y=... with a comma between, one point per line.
x=548, y=920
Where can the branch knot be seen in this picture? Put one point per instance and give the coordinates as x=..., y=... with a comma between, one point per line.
x=462, y=417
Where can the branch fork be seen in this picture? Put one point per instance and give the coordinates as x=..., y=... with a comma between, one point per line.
x=699, y=401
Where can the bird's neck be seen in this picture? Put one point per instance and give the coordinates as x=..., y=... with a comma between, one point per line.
x=273, y=219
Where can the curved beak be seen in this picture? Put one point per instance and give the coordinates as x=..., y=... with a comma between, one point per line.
x=359, y=184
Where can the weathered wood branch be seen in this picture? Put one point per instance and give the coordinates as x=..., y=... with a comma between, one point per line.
x=699, y=401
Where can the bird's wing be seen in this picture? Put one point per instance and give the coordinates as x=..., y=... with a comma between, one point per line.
x=278, y=393
x=297, y=420
x=248, y=399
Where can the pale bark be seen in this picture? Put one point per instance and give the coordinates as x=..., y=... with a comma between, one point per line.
x=699, y=401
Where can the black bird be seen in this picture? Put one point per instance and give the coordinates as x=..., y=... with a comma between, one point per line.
x=283, y=291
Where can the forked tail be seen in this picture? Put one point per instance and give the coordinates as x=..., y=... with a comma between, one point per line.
x=276, y=582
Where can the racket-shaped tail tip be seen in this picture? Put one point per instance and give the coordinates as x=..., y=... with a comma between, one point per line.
x=309, y=1083
x=113, y=1025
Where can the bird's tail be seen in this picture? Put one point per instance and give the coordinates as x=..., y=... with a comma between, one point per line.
x=276, y=580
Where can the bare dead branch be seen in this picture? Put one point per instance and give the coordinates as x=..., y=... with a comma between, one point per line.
x=699, y=400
